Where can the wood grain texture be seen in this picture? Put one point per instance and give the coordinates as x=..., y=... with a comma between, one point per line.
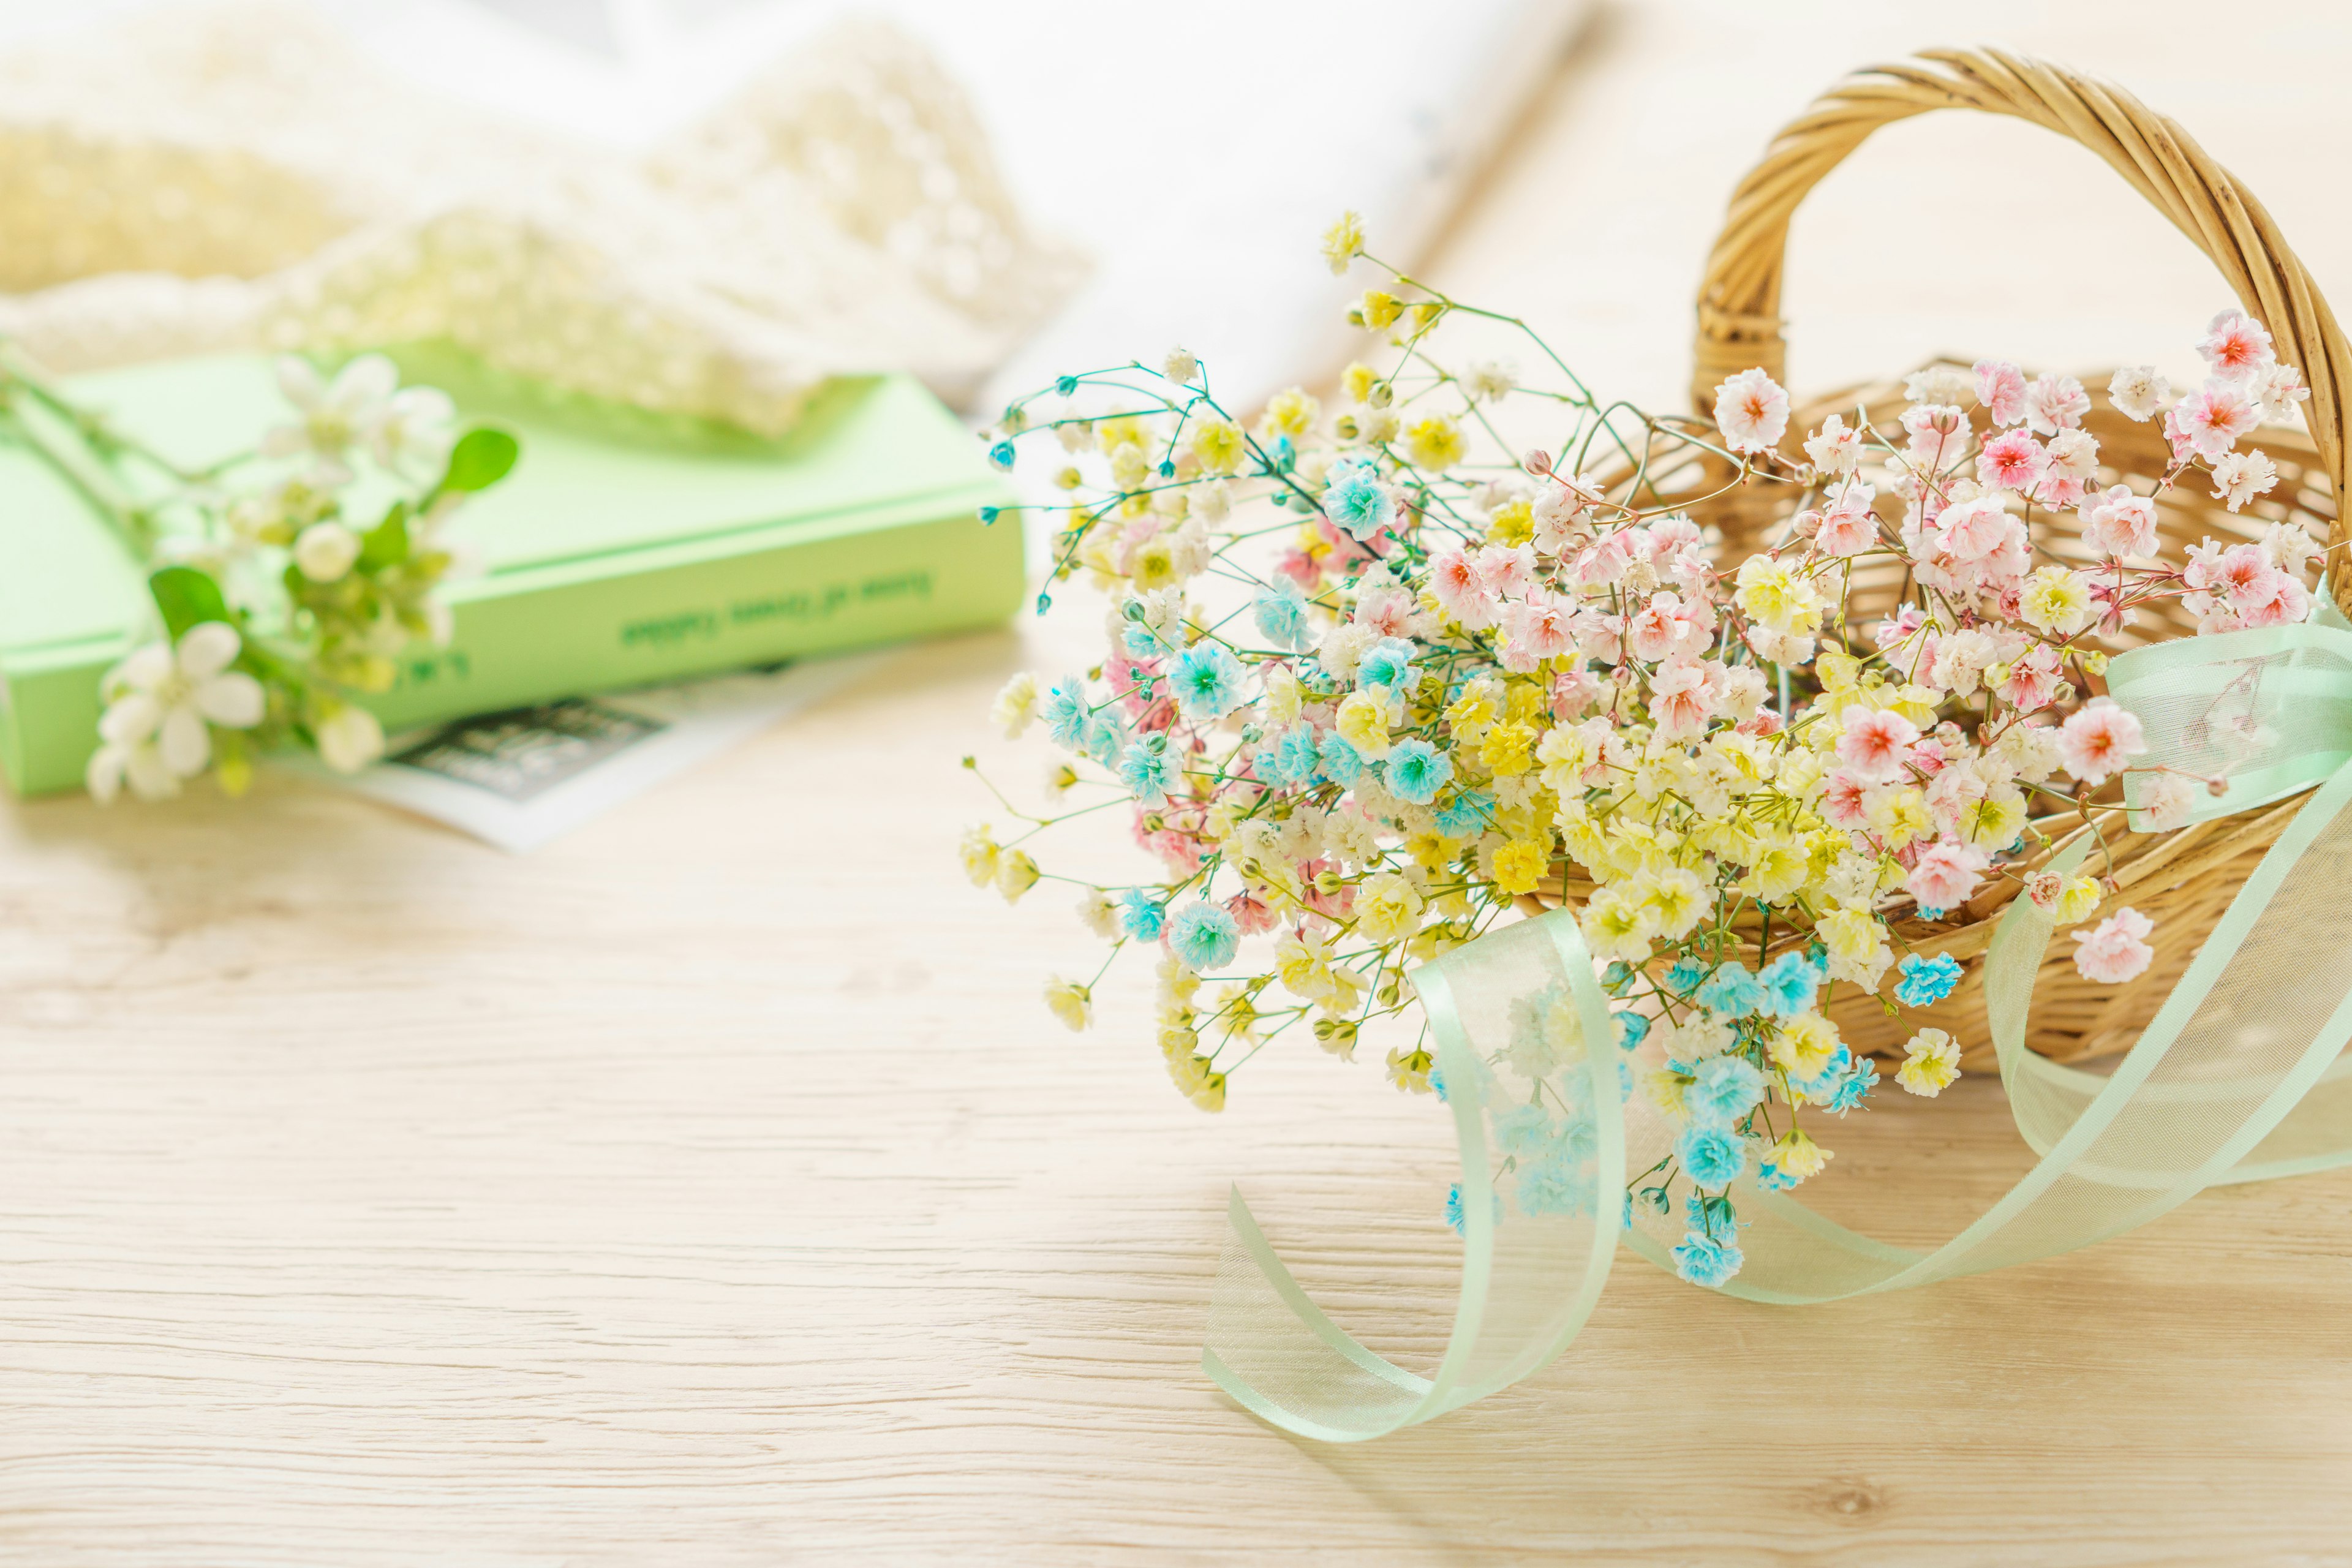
x=711, y=1187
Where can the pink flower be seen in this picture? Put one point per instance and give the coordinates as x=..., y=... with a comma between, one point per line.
x=1301, y=568
x=2278, y=600
x=1972, y=529
x=2000, y=387
x=2116, y=949
x=1455, y=582
x=2045, y=889
x=2055, y=403
x=1938, y=431
x=2098, y=739
x=1876, y=744
x=1944, y=875
x=1253, y=916
x=1600, y=635
x=1543, y=627
x=2012, y=461
x=2242, y=572
x=1849, y=527
x=2235, y=345
x=1509, y=573
x=1573, y=691
x=1845, y=800
x=1679, y=699
x=2032, y=679
x=2214, y=415
x=1603, y=562
x=1751, y=411
x=2119, y=522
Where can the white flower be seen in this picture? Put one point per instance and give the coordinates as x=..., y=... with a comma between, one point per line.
x=1834, y=448
x=335, y=415
x=1948, y=384
x=412, y=435
x=1016, y=705
x=1751, y=411
x=2239, y=477
x=2167, y=799
x=2136, y=391
x=325, y=551
x=349, y=739
x=1180, y=366
x=1489, y=379
x=160, y=703
x=2278, y=387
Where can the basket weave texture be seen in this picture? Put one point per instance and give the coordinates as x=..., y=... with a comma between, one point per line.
x=2182, y=880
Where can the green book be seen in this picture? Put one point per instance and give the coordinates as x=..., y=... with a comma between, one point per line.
x=626, y=548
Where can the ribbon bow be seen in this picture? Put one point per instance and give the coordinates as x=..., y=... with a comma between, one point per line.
x=2236, y=1080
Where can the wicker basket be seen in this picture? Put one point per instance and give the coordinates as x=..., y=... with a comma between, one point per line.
x=2182, y=880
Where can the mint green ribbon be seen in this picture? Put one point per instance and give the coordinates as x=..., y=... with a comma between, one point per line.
x=2238, y=1078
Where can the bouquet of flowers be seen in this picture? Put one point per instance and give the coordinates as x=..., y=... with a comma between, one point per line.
x=1375, y=677
x=285, y=578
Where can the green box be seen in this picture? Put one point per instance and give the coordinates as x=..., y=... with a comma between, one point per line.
x=624, y=548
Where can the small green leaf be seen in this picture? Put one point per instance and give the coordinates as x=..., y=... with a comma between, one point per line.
x=481, y=458
x=187, y=597
x=386, y=544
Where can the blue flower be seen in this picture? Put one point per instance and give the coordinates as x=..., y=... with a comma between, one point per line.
x=1523, y=1130
x=1732, y=991
x=1149, y=769
x=1207, y=679
x=1453, y=1216
x=1853, y=1085
x=1203, y=935
x=1356, y=500
x=1295, y=757
x=1141, y=642
x=1281, y=616
x=1416, y=771
x=1064, y=712
x=1685, y=976
x=1141, y=915
x=1466, y=814
x=1788, y=984
x=1632, y=1027
x=1560, y=1184
x=1342, y=764
x=1709, y=1216
x=1105, y=737
x=1926, y=980
x=1727, y=1088
x=1388, y=662
x=1774, y=1179
x=1714, y=1156
x=1001, y=454
x=1702, y=1261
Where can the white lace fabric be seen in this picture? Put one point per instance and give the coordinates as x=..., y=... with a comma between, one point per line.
x=238, y=177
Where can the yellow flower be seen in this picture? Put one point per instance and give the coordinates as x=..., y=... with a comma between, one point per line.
x=1153, y=565
x=1994, y=821
x=1777, y=597
x=980, y=854
x=1520, y=864
x=1780, y=867
x=1900, y=815
x=1799, y=1154
x=1509, y=750
x=1283, y=698
x=1804, y=1045
x=1342, y=241
x=1379, y=310
x=1666, y=1089
x=1931, y=1060
x=2078, y=901
x=1302, y=962
x=1430, y=850
x=1409, y=1070
x=1016, y=875
x=1473, y=712
x=1220, y=446
x=1675, y=899
x=1356, y=381
x=1513, y=522
x=1837, y=671
x=1857, y=945
x=1387, y=907
x=1617, y=925
x=1434, y=441
x=1070, y=1002
x=2057, y=600
x=1290, y=413
x=1567, y=753
x=1363, y=721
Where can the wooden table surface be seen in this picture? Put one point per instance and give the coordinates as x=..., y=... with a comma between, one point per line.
x=711, y=1187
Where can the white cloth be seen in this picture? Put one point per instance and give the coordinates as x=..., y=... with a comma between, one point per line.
x=238, y=177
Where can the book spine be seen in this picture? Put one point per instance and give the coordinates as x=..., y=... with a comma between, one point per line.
x=671, y=614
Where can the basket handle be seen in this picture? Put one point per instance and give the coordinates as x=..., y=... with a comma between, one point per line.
x=1740, y=301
